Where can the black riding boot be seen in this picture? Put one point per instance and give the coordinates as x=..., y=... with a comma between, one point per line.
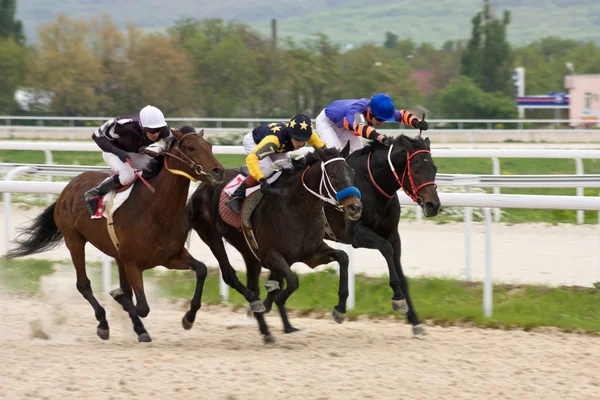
x=236, y=199
x=93, y=195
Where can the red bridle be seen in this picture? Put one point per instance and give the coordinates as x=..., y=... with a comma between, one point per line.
x=407, y=172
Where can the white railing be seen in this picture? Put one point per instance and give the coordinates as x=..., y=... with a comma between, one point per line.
x=486, y=201
x=494, y=154
x=491, y=124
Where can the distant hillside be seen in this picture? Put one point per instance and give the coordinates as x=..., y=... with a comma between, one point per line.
x=345, y=21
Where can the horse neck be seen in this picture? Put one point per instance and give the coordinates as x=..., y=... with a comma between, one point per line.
x=302, y=197
x=382, y=173
x=172, y=190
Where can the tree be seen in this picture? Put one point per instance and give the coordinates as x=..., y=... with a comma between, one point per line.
x=462, y=98
x=488, y=58
x=391, y=40
x=12, y=58
x=9, y=27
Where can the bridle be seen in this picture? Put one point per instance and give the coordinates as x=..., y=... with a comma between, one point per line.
x=414, y=193
x=326, y=191
x=197, y=168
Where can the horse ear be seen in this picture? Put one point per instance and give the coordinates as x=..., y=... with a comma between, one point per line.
x=428, y=143
x=176, y=133
x=346, y=150
x=319, y=153
x=201, y=133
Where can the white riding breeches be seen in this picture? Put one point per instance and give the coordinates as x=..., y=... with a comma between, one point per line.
x=336, y=136
x=126, y=174
x=267, y=164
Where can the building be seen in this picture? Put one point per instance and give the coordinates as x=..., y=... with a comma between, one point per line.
x=584, y=93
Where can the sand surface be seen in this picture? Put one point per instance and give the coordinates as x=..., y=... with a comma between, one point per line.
x=223, y=357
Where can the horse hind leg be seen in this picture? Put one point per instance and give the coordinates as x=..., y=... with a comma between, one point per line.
x=277, y=263
x=124, y=296
x=253, y=268
x=76, y=245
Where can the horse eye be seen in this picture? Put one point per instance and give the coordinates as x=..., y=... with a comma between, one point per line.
x=190, y=148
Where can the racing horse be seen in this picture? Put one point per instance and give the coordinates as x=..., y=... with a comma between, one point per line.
x=151, y=229
x=288, y=227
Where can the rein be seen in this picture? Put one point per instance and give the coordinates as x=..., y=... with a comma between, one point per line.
x=326, y=191
x=414, y=193
x=197, y=168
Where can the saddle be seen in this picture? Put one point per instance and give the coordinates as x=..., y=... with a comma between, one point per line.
x=242, y=222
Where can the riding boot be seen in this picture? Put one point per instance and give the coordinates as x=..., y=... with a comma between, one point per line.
x=93, y=195
x=237, y=198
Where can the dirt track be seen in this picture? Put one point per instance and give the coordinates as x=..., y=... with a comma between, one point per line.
x=223, y=357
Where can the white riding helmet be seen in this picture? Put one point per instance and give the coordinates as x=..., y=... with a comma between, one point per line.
x=152, y=117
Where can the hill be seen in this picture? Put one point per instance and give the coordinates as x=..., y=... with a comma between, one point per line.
x=345, y=21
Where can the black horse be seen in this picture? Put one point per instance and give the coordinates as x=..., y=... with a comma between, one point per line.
x=288, y=228
x=380, y=172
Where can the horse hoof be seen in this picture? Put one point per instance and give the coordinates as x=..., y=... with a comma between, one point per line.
x=257, y=306
x=103, y=333
x=419, y=330
x=187, y=325
x=338, y=317
x=291, y=329
x=144, y=338
x=400, y=306
x=270, y=340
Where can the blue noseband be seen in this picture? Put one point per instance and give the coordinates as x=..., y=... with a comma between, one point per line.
x=345, y=193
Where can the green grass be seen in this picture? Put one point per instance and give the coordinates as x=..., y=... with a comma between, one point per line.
x=508, y=166
x=440, y=301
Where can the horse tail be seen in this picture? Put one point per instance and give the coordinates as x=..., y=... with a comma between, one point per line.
x=41, y=234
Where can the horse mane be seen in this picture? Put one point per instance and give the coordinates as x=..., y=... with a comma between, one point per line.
x=417, y=142
x=314, y=157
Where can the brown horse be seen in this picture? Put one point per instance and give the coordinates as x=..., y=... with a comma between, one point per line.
x=151, y=229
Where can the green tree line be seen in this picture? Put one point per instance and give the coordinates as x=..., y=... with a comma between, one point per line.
x=212, y=68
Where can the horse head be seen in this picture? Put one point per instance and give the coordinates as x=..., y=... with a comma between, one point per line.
x=337, y=181
x=194, y=157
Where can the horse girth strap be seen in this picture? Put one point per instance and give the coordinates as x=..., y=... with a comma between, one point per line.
x=110, y=224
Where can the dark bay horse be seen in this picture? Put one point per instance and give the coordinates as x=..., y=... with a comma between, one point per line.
x=151, y=228
x=289, y=228
x=380, y=172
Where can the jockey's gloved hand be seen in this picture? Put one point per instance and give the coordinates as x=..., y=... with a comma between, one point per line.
x=122, y=154
x=264, y=185
x=385, y=140
x=420, y=125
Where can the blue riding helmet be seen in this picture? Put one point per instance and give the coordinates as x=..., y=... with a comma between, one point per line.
x=382, y=107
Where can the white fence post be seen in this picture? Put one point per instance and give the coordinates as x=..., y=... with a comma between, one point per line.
x=579, y=190
x=487, y=282
x=106, y=273
x=496, y=171
x=468, y=224
x=223, y=287
x=48, y=154
x=351, y=303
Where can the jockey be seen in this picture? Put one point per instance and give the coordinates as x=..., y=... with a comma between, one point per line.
x=348, y=120
x=267, y=146
x=121, y=140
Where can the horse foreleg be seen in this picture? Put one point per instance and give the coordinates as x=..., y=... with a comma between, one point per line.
x=324, y=255
x=124, y=296
x=184, y=260
x=412, y=317
x=276, y=263
x=133, y=272
x=365, y=238
x=76, y=245
x=253, y=269
x=273, y=286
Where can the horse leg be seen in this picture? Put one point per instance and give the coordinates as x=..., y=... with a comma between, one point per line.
x=273, y=286
x=366, y=238
x=183, y=261
x=134, y=276
x=253, y=269
x=412, y=317
x=215, y=243
x=276, y=263
x=124, y=296
x=323, y=255
x=76, y=245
